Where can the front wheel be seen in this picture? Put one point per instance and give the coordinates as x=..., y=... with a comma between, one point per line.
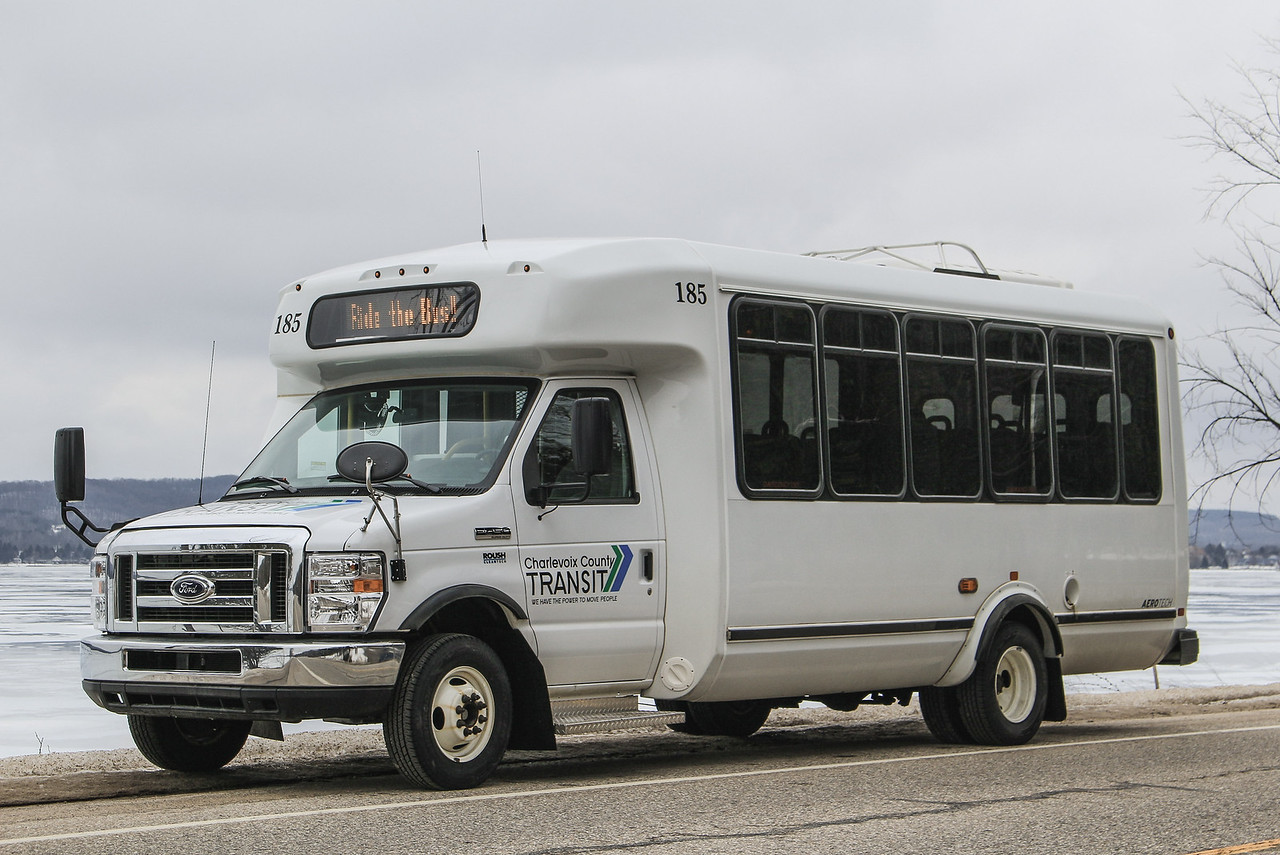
x=1003, y=702
x=188, y=744
x=450, y=716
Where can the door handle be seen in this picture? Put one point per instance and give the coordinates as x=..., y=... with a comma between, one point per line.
x=646, y=570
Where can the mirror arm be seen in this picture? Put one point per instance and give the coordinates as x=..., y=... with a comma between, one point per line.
x=78, y=528
x=544, y=490
x=397, y=564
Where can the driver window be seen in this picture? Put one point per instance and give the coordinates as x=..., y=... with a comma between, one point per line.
x=549, y=461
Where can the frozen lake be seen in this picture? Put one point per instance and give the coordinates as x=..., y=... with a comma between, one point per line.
x=44, y=613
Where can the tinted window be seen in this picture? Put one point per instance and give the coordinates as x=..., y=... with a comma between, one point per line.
x=1140, y=419
x=863, y=394
x=777, y=397
x=942, y=412
x=1017, y=411
x=1084, y=424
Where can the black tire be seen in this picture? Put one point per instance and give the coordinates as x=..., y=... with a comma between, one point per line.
x=188, y=744
x=940, y=707
x=726, y=718
x=1003, y=702
x=687, y=726
x=450, y=716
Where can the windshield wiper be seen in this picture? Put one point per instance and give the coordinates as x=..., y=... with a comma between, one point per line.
x=430, y=488
x=269, y=482
x=434, y=489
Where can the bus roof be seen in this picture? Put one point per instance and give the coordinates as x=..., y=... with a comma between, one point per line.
x=611, y=294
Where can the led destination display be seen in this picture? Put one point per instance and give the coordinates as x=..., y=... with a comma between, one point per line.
x=394, y=314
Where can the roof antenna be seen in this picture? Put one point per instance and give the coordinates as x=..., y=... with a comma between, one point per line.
x=205, y=447
x=484, y=238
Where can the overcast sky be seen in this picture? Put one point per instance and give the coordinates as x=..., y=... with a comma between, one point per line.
x=165, y=168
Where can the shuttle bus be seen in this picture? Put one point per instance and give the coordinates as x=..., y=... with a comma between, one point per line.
x=517, y=490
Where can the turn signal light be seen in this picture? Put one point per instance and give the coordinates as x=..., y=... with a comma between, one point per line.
x=968, y=585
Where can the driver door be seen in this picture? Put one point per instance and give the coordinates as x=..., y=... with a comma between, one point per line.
x=592, y=560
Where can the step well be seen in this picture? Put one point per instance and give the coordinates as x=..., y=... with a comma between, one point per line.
x=593, y=715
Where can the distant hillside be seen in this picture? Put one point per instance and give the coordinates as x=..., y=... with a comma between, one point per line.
x=1234, y=529
x=31, y=526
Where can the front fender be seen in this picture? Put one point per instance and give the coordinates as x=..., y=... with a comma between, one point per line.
x=998, y=606
x=457, y=593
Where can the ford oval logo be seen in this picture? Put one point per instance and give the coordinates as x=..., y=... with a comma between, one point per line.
x=191, y=589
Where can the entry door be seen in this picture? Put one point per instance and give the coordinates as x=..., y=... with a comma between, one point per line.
x=593, y=567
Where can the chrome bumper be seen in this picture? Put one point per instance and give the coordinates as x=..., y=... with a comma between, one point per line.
x=269, y=680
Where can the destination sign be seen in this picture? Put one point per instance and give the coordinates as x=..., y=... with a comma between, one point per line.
x=395, y=314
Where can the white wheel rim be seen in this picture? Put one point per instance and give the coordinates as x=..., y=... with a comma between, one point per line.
x=1015, y=684
x=461, y=709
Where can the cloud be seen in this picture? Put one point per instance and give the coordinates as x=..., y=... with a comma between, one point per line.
x=166, y=168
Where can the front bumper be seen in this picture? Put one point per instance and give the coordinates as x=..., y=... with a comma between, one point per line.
x=269, y=680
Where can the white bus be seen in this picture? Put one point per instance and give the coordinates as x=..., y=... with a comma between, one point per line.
x=510, y=489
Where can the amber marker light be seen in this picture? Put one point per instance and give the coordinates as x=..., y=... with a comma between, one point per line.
x=1013, y=575
x=366, y=586
x=968, y=585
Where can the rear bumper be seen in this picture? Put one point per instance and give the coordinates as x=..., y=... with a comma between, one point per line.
x=1185, y=649
x=241, y=680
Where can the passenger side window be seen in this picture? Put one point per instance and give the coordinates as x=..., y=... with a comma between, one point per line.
x=549, y=460
x=776, y=401
x=942, y=398
x=1140, y=420
x=1084, y=420
x=1017, y=411
x=863, y=394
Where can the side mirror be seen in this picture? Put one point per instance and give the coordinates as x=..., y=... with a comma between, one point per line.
x=68, y=482
x=592, y=436
x=372, y=462
x=68, y=464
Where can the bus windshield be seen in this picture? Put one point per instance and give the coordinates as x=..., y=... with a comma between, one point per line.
x=456, y=433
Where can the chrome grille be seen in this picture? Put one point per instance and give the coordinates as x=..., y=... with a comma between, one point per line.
x=124, y=586
x=242, y=588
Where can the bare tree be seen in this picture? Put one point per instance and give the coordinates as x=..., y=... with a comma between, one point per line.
x=1231, y=382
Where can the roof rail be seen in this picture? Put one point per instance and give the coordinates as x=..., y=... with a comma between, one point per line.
x=895, y=252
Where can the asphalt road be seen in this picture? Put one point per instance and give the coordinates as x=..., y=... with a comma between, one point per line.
x=1185, y=783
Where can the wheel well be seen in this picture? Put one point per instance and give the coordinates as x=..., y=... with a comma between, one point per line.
x=1051, y=639
x=487, y=620
x=1042, y=627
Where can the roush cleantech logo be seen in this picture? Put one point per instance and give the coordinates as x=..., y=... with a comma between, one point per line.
x=578, y=578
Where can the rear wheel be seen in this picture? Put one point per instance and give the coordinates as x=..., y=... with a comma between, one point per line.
x=188, y=744
x=1003, y=702
x=727, y=718
x=450, y=716
x=940, y=707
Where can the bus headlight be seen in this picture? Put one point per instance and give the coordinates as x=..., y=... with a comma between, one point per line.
x=98, y=583
x=344, y=590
